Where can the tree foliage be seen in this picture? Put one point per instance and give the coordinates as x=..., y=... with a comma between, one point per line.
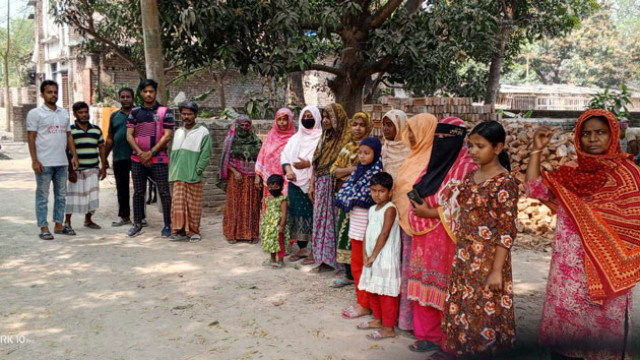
x=596, y=54
x=20, y=50
x=428, y=46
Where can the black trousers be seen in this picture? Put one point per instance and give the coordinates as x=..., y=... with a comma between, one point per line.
x=122, y=172
x=160, y=174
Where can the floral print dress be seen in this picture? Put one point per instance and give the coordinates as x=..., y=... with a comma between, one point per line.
x=270, y=227
x=475, y=321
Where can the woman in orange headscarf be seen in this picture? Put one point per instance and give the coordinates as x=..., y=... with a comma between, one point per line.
x=417, y=134
x=596, y=255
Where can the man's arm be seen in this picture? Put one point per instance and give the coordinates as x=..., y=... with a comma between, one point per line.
x=132, y=141
x=166, y=137
x=103, y=161
x=633, y=147
x=35, y=163
x=109, y=141
x=71, y=146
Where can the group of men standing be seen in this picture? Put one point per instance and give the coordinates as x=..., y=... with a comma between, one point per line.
x=74, y=158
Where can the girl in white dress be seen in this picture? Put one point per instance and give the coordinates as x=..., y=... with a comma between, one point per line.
x=381, y=275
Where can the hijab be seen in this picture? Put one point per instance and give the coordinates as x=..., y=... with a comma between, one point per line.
x=332, y=140
x=239, y=144
x=395, y=151
x=423, y=127
x=268, y=162
x=356, y=191
x=450, y=162
x=302, y=146
x=447, y=143
x=347, y=156
x=602, y=196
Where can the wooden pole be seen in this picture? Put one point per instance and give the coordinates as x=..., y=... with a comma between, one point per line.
x=154, y=60
x=7, y=93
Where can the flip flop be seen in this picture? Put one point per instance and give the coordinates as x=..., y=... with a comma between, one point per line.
x=308, y=261
x=365, y=326
x=45, y=235
x=268, y=262
x=377, y=336
x=195, y=238
x=92, y=225
x=66, y=230
x=423, y=346
x=232, y=241
x=277, y=265
x=351, y=313
x=340, y=283
x=296, y=257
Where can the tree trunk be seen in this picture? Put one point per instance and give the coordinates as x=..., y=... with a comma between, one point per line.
x=496, y=65
x=348, y=92
x=154, y=60
x=297, y=87
x=7, y=93
x=223, y=96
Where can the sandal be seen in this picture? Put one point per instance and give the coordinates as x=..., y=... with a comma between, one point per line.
x=195, y=238
x=365, y=326
x=46, y=235
x=92, y=225
x=120, y=222
x=296, y=257
x=308, y=261
x=376, y=336
x=66, y=230
x=423, y=346
x=232, y=241
x=277, y=265
x=352, y=313
x=340, y=283
x=268, y=262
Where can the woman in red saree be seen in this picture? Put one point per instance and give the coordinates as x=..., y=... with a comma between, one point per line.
x=432, y=249
x=596, y=256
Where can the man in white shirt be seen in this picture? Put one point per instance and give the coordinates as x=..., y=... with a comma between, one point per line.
x=49, y=137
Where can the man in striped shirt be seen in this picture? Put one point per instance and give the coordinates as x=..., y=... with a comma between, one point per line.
x=84, y=187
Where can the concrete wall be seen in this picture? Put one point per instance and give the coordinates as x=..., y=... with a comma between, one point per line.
x=19, y=122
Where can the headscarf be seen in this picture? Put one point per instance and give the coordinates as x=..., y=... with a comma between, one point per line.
x=423, y=127
x=395, y=151
x=602, y=196
x=356, y=191
x=348, y=154
x=301, y=146
x=268, y=162
x=239, y=144
x=332, y=140
x=449, y=161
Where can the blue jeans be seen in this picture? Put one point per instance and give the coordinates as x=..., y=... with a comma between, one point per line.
x=58, y=175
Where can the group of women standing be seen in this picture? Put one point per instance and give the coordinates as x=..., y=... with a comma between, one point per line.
x=459, y=224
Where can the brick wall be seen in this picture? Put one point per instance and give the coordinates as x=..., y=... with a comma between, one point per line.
x=20, y=95
x=19, y=122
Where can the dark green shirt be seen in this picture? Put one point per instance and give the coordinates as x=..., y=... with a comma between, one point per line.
x=118, y=127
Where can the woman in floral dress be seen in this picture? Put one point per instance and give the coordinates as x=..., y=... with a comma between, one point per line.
x=479, y=315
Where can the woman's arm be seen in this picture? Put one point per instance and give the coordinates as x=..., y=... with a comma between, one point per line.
x=541, y=139
x=494, y=280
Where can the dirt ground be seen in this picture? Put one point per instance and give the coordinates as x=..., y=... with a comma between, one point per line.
x=102, y=295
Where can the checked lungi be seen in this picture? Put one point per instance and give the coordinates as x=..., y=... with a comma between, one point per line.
x=186, y=208
x=83, y=196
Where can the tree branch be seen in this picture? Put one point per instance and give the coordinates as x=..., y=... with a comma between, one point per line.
x=190, y=72
x=383, y=14
x=325, y=68
x=382, y=65
x=90, y=29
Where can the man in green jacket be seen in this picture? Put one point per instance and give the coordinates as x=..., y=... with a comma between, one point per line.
x=190, y=155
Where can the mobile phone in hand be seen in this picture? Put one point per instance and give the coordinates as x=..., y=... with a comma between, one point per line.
x=413, y=195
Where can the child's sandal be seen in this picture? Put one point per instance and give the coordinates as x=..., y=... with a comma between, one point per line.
x=268, y=262
x=277, y=265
